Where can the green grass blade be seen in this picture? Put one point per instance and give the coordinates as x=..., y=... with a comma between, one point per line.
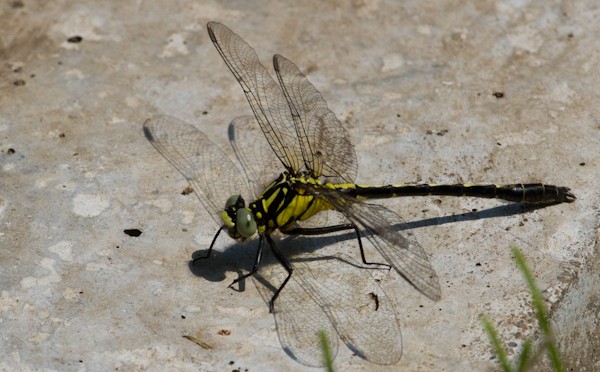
x=524, y=357
x=498, y=348
x=538, y=304
x=326, y=348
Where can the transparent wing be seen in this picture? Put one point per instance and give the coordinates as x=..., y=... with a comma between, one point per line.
x=296, y=121
x=325, y=144
x=252, y=151
x=210, y=172
x=380, y=226
x=297, y=317
x=264, y=95
x=337, y=295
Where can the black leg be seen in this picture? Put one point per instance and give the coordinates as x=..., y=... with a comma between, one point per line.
x=332, y=229
x=318, y=230
x=209, y=248
x=256, y=265
x=285, y=263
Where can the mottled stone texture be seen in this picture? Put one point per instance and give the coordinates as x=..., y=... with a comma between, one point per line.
x=429, y=91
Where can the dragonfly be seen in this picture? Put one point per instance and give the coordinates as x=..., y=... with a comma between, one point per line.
x=318, y=168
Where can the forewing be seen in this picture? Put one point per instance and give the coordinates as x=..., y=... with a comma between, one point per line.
x=264, y=95
x=210, y=172
x=253, y=152
x=325, y=143
x=381, y=227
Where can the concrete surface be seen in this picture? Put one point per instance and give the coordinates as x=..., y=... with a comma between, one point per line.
x=417, y=85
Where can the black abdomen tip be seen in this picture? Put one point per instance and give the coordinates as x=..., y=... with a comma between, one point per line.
x=569, y=197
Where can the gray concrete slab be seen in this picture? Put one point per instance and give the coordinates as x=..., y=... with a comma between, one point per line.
x=430, y=92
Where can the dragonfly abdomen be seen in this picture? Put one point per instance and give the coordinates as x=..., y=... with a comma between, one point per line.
x=533, y=193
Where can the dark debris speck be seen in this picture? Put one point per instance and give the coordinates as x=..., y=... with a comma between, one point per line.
x=133, y=232
x=75, y=39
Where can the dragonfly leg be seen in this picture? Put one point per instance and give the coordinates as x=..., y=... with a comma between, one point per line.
x=332, y=229
x=317, y=230
x=256, y=265
x=285, y=263
x=209, y=248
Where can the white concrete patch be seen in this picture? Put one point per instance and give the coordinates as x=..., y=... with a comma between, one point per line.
x=164, y=204
x=39, y=338
x=53, y=277
x=117, y=120
x=176, y=45
x=7, y=302
x=188, y=217
x=78, y=23
x=392, y=62
x=526, y=38
x=8, y=167
x=64, y=250
x=69, y=294
x=96, y=266
x=90, y=205
x=560, y=92
x=193, y=309
x=527, y=137
x=66, y=186
x=75, y=73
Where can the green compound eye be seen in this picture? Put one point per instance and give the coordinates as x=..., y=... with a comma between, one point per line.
x=233, y=199
x=245, y=223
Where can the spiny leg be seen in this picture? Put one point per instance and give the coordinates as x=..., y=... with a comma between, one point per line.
x=285, y=263
x=209, y=248
x=331, y=229
x=280, y=257
x=256, y=265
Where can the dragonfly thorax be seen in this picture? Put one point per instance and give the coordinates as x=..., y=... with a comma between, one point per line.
x=238, y=219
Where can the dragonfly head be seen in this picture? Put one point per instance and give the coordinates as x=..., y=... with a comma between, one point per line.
x=238, y=219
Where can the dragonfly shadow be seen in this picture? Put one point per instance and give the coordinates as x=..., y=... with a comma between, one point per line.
x=316, y=300
x=494, y=212
x=239, y=258
x=301, y=257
